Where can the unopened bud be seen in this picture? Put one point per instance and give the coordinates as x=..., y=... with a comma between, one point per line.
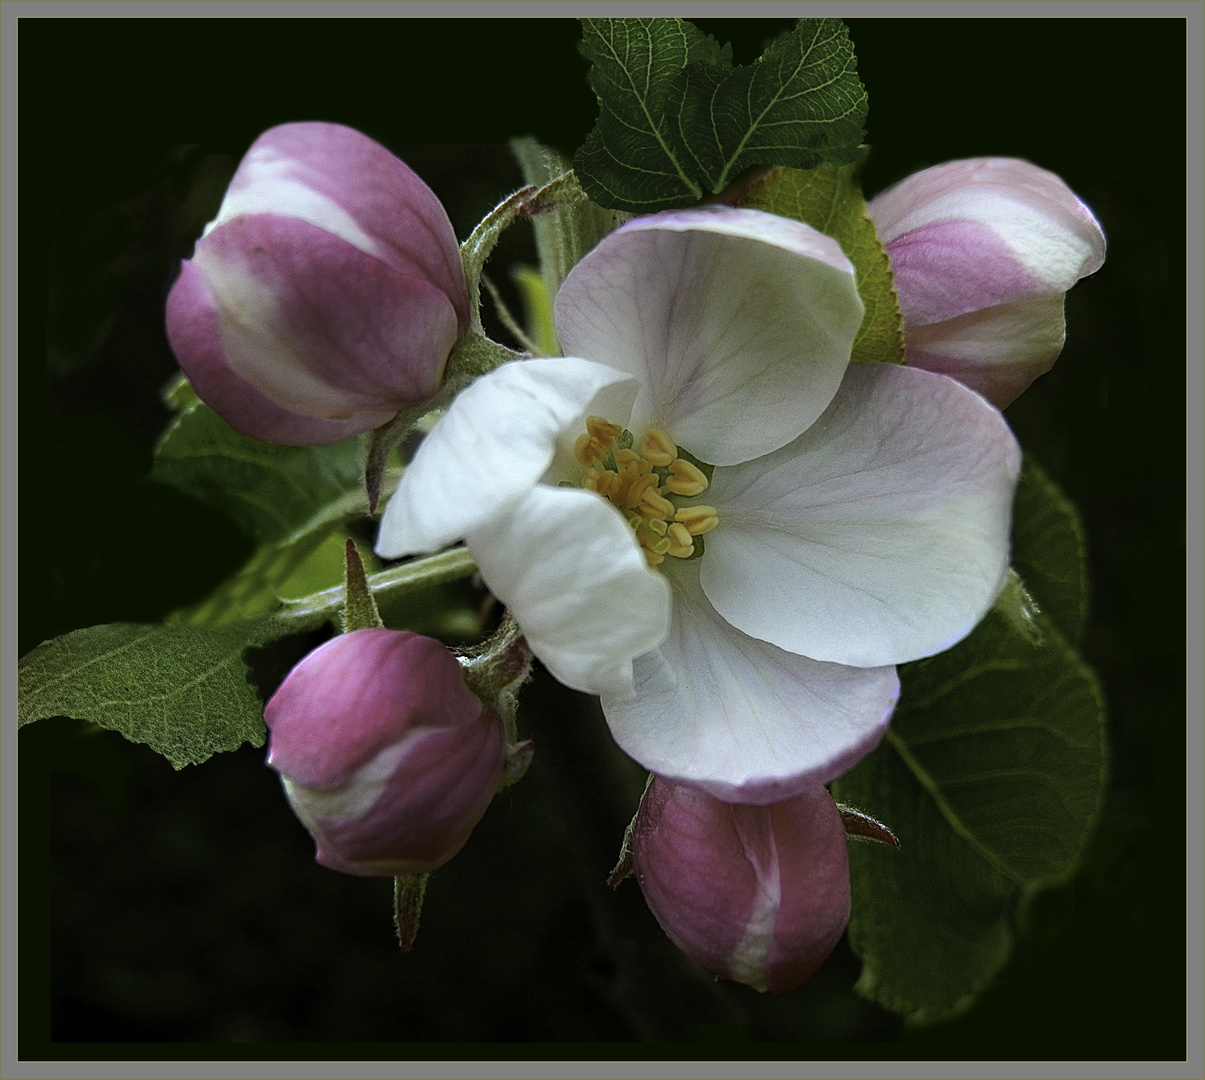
x=386, y=756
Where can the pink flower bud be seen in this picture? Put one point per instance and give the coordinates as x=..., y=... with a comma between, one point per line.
x=983, y=251
x=756, y=894
x=386, y=756
x=326, y=294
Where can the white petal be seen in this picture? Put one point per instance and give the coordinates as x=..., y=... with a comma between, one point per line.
x=494, y=443
x=571, y=572
x=880, y=535
x=739, y=325
x=739, y=718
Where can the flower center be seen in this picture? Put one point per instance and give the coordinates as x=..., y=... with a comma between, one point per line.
x=650, y=483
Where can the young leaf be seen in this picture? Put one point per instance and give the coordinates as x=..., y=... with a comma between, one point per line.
x=677, y=121
x=181, y=690
x=830, y=200
x=275, y=493
x=991, y=775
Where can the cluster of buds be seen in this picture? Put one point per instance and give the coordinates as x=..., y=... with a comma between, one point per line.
x=326, y=296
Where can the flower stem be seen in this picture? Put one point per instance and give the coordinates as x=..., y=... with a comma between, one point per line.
x=394, y=581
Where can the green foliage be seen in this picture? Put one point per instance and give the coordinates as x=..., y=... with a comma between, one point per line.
x=275, y=493
x=830, y=200
x=1048, y=550
x=291, y=498
x=991, y=775
x=677, y=121
x=181, y=690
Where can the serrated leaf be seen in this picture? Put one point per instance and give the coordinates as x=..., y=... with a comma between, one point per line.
x=799, y=104
x=275, y=493
x=830, y=200
x=991, y=776
x=183, y=691
x=1049, y=550
x=677, y=121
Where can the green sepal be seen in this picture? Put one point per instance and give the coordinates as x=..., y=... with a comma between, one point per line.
x=830, y=200
x=359, y=608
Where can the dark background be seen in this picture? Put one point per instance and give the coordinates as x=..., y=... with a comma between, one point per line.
x=184, y=908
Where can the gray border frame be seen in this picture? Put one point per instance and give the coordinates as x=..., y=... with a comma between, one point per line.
x=1194, y=15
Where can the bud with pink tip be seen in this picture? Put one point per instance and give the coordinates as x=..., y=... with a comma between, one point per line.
x=983, y=251
x=386, y=756
x=325, y=296
x=756, y=894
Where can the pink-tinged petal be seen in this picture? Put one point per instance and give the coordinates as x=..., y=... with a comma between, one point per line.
x=756, y=894
x=740, y=718
x=739, y=324
x=568, y=567
x=385, y=679
x=982, y=232
x=998, y=351
x=495, y=442
x=881, y=535
x=343, y=182
x=317, y=325
x=195, y=334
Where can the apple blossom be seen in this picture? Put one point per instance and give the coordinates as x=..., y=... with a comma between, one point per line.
x=707, y=516
x=325, y=296
x=756, y=894
x=386, y=756
x=983, y=251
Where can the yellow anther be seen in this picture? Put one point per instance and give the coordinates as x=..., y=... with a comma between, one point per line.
x=658, y=547
x=656, y=504
x=679, y=535
x=681, y=551
x=652, y=558
x=698, y=519
x=630, y=461
x=590, y=479
x=684, y=479
x=660, y=527
x=658, y=448
x=603, y=430
x=638, y=489
x=588, y=450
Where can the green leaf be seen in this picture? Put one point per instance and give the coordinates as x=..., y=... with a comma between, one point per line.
x=181, y=690
x=276, y=493
x=991, y=775
x=830, y=200
x=677, y=121
x=1049, y=551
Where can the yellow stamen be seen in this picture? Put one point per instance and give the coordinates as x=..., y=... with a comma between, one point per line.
x=698, y=519
x=684, y=479
x=603, y=430
x=679, y=535
x=638, y=490
x=659, y=505
x=658, y=448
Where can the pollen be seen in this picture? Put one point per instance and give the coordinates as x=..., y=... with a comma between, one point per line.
x=651, y=484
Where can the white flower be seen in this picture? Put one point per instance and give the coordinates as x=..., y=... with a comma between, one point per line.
x=857, y=516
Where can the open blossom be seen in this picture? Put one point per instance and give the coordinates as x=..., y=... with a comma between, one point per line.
x=755, y=894
x=386, y=756
x=325, y=296
x=704, y=514
x=983, y=251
